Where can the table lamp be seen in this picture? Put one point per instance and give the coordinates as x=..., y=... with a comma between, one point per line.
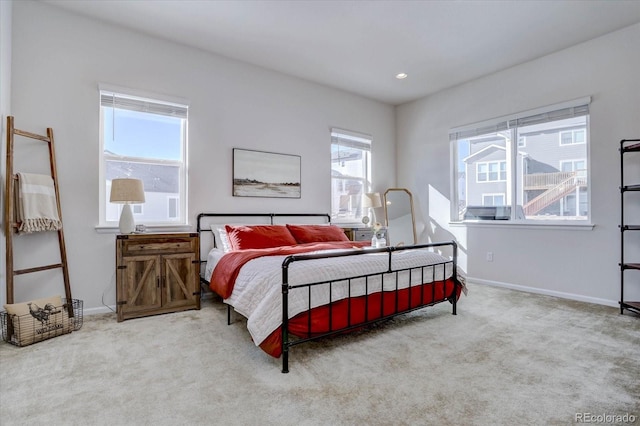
x=127, y=192
x=372, y=201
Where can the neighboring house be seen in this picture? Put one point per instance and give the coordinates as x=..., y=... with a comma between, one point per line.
x=550, y=170
x=161, y=190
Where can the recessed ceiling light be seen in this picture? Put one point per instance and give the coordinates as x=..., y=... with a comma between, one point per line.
x=401, y=76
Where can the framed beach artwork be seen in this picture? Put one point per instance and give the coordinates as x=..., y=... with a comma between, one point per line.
x=265, y=174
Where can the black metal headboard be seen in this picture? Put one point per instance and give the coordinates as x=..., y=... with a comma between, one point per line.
x=205, y=221
x=270, y=216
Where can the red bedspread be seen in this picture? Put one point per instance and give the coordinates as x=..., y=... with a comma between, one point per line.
x=226, y=271
x=357, y=310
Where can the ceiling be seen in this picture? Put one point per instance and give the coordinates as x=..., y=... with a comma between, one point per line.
x=359, y=46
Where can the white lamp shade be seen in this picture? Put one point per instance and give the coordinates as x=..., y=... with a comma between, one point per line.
x=372, y=200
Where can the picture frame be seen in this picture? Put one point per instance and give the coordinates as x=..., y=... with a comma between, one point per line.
x=266, y=174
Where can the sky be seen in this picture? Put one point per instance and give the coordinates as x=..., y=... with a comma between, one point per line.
x=139, y=134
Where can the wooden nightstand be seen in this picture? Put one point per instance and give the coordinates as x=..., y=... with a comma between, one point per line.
x=156, y=274
x=358, y=234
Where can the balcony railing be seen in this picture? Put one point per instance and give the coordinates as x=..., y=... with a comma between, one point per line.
x=550, y=180
x=573, y=181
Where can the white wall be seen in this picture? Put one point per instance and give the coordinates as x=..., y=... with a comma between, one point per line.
x=60, y=58
x=5, y=110
x=577, y=264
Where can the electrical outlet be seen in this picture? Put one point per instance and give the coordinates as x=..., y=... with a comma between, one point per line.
x=489, y=256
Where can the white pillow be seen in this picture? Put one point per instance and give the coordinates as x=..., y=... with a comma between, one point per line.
x=221, y=238
x=213, y=258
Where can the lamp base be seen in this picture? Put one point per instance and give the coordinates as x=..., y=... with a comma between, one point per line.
x=127, y=224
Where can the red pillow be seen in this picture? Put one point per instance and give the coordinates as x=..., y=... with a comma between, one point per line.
x=259, y=236
x=317, y=233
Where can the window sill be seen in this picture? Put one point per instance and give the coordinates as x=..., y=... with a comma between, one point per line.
x=512, y=224
x=106, y=229
x=351, y=224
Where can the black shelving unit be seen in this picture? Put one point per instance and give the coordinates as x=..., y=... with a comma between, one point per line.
x=627, y=146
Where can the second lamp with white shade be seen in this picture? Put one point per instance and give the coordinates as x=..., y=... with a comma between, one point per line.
x=372, y=201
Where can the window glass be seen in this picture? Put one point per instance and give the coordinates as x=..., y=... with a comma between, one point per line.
x=144, y=139
x=487, y=155
x=555, y=175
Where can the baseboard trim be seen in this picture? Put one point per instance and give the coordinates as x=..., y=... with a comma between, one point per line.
x=111, y=309
x=546, y=292
x=470, y=280
x=100, y=310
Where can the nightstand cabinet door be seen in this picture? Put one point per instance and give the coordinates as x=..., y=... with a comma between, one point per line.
x=157, y=274
x=140, y=286
x=178, y=278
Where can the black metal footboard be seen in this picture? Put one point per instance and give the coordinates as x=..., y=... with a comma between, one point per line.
x=427, y=276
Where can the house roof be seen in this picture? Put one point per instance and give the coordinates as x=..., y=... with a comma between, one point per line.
x=486, y=151
x=155, y=177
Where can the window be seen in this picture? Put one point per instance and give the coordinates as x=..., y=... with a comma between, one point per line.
x=571, y=137
x=483, y=171
x=494, y=171
x=539, y=180
x=577, y=166
x=173, y=208
x=350, y=174
x=493, y=199
x=146, y=139
x=137, y=209
x=522, y=141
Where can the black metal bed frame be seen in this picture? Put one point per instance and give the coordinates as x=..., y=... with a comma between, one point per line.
x=287, y=343
x=286, y=288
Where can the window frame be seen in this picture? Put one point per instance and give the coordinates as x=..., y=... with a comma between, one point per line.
x=548, y=114
x=180, y=106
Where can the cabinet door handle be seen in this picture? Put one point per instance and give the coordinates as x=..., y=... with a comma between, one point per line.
x=158, y=282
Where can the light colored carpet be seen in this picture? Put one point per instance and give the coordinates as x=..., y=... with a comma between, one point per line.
x=507, y=358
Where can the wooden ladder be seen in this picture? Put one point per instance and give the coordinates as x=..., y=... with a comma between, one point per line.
x=11, y=224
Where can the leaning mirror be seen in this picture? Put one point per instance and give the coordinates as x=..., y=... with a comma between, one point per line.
x=398, y=211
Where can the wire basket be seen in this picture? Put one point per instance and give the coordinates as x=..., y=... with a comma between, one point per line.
x=46, y=323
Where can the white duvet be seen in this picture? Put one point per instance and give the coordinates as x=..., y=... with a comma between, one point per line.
x=257, y=293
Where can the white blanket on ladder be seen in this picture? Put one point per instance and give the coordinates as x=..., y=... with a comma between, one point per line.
x=36, y=205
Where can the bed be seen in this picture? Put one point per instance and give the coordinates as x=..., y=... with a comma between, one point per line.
x=297, y=278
